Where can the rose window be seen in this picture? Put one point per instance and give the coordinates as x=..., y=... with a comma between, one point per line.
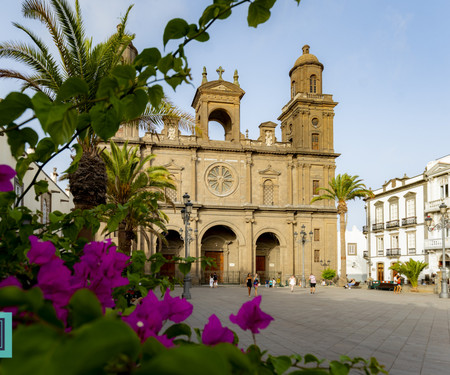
x=220, y=180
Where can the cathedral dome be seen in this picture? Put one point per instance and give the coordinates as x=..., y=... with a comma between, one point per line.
x=306, y=58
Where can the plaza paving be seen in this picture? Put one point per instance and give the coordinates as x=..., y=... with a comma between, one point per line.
x=408, y=333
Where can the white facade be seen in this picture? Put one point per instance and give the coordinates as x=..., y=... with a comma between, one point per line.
x=56, y=199
x=395, y=227
x=356, y=244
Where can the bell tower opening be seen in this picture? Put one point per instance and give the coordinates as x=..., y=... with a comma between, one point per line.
x=220, y=126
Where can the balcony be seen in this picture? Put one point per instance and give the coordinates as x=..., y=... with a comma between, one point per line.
x=377, y=227
x=365, y=229
x=411, y=251
x=395, y=252
x=436, y=244
x=393, y=224
x=409, y=221
x=365, y=254
x=433, y=206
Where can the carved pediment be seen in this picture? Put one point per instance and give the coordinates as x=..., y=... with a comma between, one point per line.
x=437, y=169
x=172, y=166
x=269, y=171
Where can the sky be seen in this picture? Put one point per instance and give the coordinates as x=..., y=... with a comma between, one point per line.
x=387, y=64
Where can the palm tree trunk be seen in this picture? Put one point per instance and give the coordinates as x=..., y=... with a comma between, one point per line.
x=343, y=275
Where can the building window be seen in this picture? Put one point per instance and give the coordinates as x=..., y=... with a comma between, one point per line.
x=315, y=187
x=444, y=190
x=316, y=256
x=411, y=207
x=293, y=87
x=268, y=193
x=172, y=194
x=316, y=234
x=315, y=141
x=380, y=246
x=394, y=241
x=312, y=84
x=379, y=214
x=411, y=240
x=46, y=207
x=18, y=188
x=351, y=248
x=394, y=210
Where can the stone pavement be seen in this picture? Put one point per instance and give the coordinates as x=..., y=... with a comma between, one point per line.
x=408, y=333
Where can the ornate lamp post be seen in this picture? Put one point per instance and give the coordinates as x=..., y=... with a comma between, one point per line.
x=186, y=214
x=325, y=264
x=303, y=240
x=445, y=223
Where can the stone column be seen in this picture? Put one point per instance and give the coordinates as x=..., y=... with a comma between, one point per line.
x=290, y=181
x=194, y=190
x=250, y=250
x=248, y=175
x=291, y=255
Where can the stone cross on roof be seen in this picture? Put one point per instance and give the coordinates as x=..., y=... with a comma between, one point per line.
x=220, y=72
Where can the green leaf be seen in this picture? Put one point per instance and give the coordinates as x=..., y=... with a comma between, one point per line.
x=179, y=329
x=125, y=74
x=30, y=300
x=72, y=87
x=105, y=122
x=84, y=307
x=78, y=154
x=47, y=313
x=44, y=149
x=22, y=167
x=155, y=94
x=281, y=364
x=13, y=106
x=311, y=358
x=174, y=81
x=184, y=267
x=40, y=187
x=62, y=131
x=18, y=138
x=166, y=63
x=203, y=37
x=175, y=29
x=221, y=11
x=338, y=368
x=16, y=214
x=135, y=104
x=148, y=57
x=151, y=348
x=107, y=87
x=259, y=12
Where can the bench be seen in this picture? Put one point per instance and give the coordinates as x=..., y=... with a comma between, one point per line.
x=386, y=286
x=356, y=285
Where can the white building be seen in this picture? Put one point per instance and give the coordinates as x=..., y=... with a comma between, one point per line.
x=56, y=199
x=356, y=244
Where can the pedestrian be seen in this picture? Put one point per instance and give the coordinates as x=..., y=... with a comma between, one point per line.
x=215, y=280
x=312, y=282
x=256, y=284
x=211, y=281
x=292, y=282
x=395, y=283
x=248, y=280
x=274, y=282
x=399, y=285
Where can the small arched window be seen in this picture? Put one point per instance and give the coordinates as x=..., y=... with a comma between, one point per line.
x=293, y=87
x=315, y=141
x=312, y=84
x=268, y=193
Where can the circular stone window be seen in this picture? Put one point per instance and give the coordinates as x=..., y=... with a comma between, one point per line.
x=315, y=122
x=220, y=179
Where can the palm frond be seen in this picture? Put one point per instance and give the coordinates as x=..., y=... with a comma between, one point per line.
x=29, y=81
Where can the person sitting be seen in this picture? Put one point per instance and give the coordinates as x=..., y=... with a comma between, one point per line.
x=350, y=284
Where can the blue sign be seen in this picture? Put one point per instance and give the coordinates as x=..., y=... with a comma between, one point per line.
x=5, y=334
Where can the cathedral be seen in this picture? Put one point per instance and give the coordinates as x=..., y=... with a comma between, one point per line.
x=251, y=197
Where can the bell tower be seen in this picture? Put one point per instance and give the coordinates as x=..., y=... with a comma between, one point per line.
x=307, y=119
x=219, y=101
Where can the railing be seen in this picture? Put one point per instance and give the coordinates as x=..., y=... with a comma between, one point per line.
x=392, y=224
x=434, y=205
x=436, y=243
x=365, y=254
x=393, y=252
x=411, y=251
x=365, y=229
x=224, y=277
x=409, y=221
x=377, y=226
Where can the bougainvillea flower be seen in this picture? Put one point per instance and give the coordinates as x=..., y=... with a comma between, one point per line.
x=251, y=317
x=175, y=309
x=41, y=252
x=163, y=339
x=6, y=175
x=214, y=333
x=10, y=281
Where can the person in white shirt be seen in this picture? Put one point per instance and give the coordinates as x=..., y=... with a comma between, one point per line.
x=312, y=281
x=292, y=282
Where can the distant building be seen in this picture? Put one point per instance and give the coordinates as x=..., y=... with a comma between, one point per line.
x=56, y=199
x=356, y=245
x=395, y=225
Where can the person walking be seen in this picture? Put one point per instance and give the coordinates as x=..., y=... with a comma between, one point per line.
x=211, y=281
x=292, y=282
x=312, y=282
x=248, y=280
x=216, y=280
x=256, y=284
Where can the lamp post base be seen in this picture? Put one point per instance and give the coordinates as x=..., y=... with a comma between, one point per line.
x=186, y=287
x=444, y=289
x=303, y=281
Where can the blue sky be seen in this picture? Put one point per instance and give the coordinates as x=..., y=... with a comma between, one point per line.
x=387, y=63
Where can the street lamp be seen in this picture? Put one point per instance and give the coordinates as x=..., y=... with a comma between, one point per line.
x=325, y=264
x=445, y=223
x=186, y=214
x=303, y=240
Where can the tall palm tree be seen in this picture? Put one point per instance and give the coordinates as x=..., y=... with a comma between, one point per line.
x=140, y=187
x=343, y=188
x=78, y=57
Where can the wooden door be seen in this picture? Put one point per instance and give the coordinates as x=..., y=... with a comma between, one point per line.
x=261, y=267
x=380, y=271
x=217, y=256
x=168, y=269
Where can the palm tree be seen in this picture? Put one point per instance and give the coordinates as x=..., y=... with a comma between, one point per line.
x=78, y=57
x=342, y=189
x=140, y=188
x=411, y=269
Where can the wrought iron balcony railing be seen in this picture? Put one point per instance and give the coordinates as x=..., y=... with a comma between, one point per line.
x=394, y=252
x=392, y=224
x=377, y=226
x=409, y=221
x=365, y=229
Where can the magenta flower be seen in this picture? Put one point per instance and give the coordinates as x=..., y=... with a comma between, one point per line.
x=10, y=281
x=6, y=174
x=175, y=309
x=251, y=317
x=214, y=333
x=41, y=252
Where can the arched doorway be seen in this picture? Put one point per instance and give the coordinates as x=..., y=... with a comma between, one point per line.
x=268, y=262
x=380, y=271
x=172, y=247
x=219, y=243
x=447, y=260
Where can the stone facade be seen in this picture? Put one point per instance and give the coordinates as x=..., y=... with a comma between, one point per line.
x=250, y=197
